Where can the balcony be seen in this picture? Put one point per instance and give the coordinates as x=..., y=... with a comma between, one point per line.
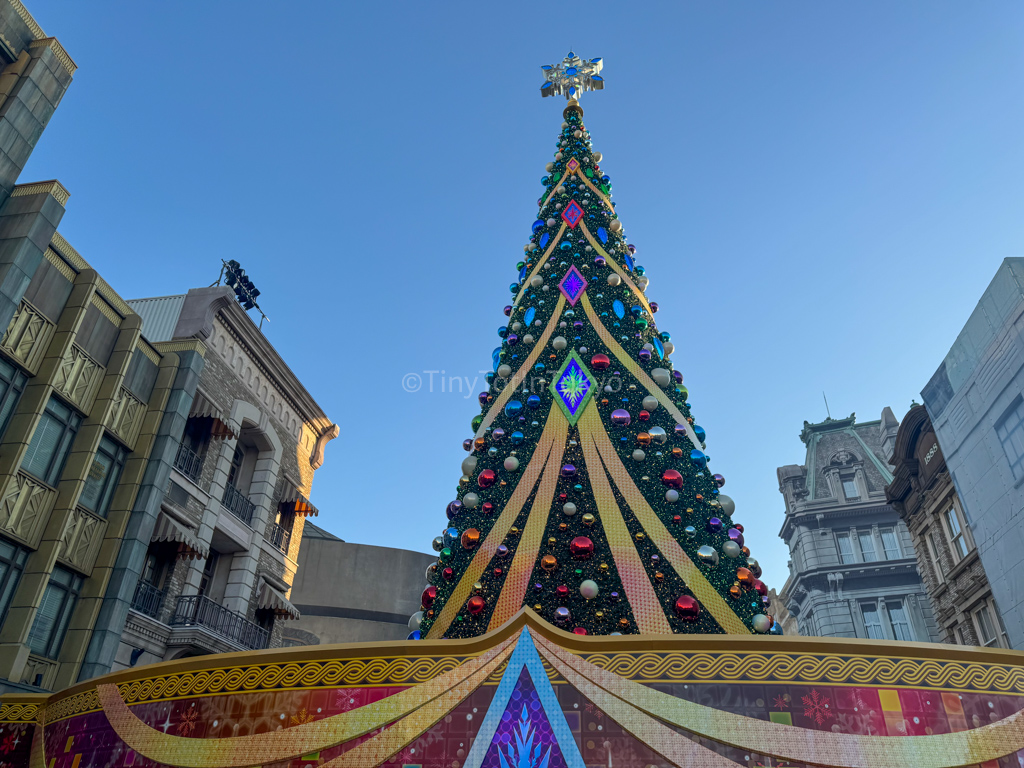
x=148, y=599
x=190, y=464
x=238, y=504
x=279, y=536
x=200, y=611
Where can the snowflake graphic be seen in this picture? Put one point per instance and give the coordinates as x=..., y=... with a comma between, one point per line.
x=9, y=743
x=188, y=721
x=344, y=700
x=302, y=717
x=780, y=702
x=816, y=706
x=573, y=386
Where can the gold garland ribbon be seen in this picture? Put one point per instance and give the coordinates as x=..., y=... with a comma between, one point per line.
x=486, y=551
x=516, y=583
x=290, y=743
x=647, y=610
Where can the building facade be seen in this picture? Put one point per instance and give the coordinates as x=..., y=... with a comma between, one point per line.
x=216, y=574
x=948, y=561
x=382, y=588
x=975, y=401
x=853, y=571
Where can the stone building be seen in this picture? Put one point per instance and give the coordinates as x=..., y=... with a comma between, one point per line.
x=853, y=571
x=975, y=401
x=381, y=590
x=922, y=492
x=216, y=575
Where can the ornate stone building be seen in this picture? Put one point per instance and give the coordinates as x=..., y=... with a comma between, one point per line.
x=853, y=571
x=217, y=575
x=922, y=492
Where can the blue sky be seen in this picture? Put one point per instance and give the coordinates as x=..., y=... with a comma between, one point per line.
x=820, y=192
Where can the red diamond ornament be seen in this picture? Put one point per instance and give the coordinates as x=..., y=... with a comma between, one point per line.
x=572, y=214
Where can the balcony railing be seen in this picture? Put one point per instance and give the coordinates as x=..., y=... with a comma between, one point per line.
x=197, y=610
x=148, y=599
x=187, y=462
x=279, y=536
x=238, y=504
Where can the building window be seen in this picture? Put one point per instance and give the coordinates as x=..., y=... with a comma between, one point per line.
x=103, y=477
x=51, y=442
x=867, y=546
x=845, y=544
x=933, y=549
x=872, y=621
x=956, y=534
x=850, y=488
x=890, y=543
x=12, y=383
x=54, y=613
x=987, y=628
x=963, y=635
x=1010, y=432
x=12, y=563
x=901, y=628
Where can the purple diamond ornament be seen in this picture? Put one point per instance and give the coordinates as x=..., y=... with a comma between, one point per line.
x=573, y=285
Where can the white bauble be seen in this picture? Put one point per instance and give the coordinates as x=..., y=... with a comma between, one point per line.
x=642, y=282
x=669, y=348
x=639, y=455
x=589, y=589
x=549, y=167
x=536, y=281
x=559, y=343
x=662, y=376
x=598, y=157
x=558, y=155
x=528, y=338
x=615, y=226
x=517, y=327
x=614, y=279
x=671, y=496
x=470, y=500
x=469, y=465
x=650, y=403
x=569, y=509
x=504, y=371
x=728, y=505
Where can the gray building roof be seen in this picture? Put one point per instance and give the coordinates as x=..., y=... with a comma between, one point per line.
x=159, y=315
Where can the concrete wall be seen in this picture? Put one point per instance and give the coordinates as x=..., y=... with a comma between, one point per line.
x=978, y=383
x=355, y=592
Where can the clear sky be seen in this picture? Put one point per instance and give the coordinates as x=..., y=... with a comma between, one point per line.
x=820, y=192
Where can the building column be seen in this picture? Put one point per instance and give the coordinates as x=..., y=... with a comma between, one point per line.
x=185, y=366
x=219, y=481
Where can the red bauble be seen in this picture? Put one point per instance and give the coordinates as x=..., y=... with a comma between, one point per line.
x=579, y=631
x=487, y=507
x=600, y=362
x=428, y=597
x=761, y=588
x=447, y=574
x=672, y=478
x=475, y=605
x=643, y=415
x=486, y=479
x=581, y=548
x=687, y=608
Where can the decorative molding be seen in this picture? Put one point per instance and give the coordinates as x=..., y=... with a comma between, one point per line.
x=78, y=378
x=51, y=187
x=27, y=336
x=124, y=419
x=106, y=310
x=40, y=665
x=58, y=52
x=148, y=350
x=191, y=345
x=18, y=712
x=22, y=11
x=62, y=266
x=25, y=507
x=316, y=458
x=80, y=542
x=63, y=247
x=87, y=701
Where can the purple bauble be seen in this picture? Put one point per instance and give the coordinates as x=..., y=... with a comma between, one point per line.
x=644, y=355
x=654, y=306
x=467, y=444
x=678, y=376
x=568, y=470
x=599, y=261
x=715, y=524
x=507, y=310
x=482, y=397
x=736, y=536
x=620, y=418
x=512, y=339
x=453, y=510
x=719, y=480
x=632, y=249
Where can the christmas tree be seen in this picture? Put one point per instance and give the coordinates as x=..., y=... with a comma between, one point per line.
x=586, y=494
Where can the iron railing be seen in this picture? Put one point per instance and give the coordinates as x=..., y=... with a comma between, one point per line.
x=148, y=599
x=238, y=504
x=198, y=610
x=279, y=536
x=189, y=463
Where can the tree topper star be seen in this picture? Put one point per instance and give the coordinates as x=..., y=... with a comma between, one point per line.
x=572, y=76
